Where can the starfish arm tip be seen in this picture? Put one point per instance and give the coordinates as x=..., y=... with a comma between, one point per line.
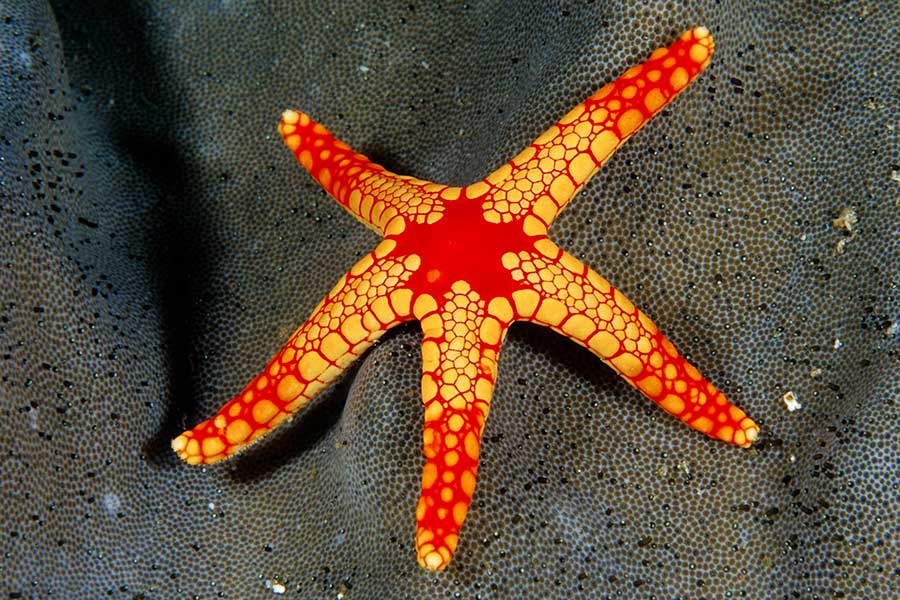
x=190, y=447
x=433, y=560
x=751, y=432
x=701, y=33
x=290, y=117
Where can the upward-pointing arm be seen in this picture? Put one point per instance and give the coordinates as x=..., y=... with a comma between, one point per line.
x=544, y=177
x=368, y=191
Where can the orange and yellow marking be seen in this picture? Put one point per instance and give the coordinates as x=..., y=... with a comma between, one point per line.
x=467, y=263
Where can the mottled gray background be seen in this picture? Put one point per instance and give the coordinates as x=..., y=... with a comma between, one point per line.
x=159, y=243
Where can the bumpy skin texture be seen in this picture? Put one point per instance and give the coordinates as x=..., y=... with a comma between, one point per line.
x=468, y=263
x=158, y=242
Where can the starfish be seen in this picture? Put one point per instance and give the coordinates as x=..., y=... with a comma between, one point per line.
x=468, y=262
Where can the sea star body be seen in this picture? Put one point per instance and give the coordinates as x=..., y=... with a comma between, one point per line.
x=467, y=263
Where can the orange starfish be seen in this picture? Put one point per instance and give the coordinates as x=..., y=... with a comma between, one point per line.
x=467, y=263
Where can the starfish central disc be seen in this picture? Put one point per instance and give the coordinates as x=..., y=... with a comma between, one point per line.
x=460, y=239
x=467, y=263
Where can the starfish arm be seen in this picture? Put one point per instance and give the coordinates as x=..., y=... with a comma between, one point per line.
x=366, y=302
x=461, y=342
x=544, y=177
x=368, y=191
x=570, y=298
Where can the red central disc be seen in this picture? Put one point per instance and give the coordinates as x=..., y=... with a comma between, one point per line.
x=461, y=239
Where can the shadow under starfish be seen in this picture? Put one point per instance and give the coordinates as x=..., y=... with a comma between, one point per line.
x=467, y=263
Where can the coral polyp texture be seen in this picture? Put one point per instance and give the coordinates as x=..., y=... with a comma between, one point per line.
x=467, y=263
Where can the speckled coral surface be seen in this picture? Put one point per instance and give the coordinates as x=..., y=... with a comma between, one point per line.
x=159, y=244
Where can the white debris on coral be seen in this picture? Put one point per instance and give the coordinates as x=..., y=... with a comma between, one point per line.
x=846, y=219
x=276, y=586
x=111, y=503
x=790, y=401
